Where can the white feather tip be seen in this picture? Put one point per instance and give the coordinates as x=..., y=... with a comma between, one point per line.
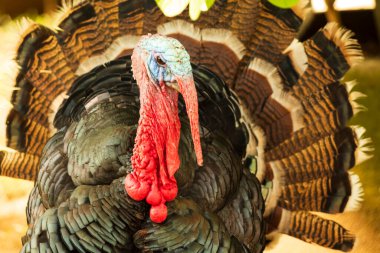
x=179, y=26
x=365, y=149
x=225, y=37
x=355, y=200
x=343, y=39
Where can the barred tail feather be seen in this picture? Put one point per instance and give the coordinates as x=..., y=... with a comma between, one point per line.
x=18, y=164
x=343, y=39
x=331, y=52
x=121, y=46
x=314, y=229
x=42, y=67
x=309, y=169
x=11, y=33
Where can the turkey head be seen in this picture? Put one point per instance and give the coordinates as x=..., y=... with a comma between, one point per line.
x=161, y=67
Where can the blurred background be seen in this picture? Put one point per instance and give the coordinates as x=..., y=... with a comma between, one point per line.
x=360, y=16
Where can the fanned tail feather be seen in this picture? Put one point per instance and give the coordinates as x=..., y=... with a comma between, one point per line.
x=343, y=39
x=42, y=66
x=309, y=167
x=314, y=229
x=82, y=34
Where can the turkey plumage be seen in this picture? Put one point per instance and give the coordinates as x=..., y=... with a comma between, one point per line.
x=83, y=167
x=265, y=99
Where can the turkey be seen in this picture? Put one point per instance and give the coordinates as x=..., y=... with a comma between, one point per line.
x=121, y=163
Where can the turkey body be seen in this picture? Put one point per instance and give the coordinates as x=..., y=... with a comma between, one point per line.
x=79, y=202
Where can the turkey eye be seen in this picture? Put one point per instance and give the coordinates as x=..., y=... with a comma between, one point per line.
x=160, y=61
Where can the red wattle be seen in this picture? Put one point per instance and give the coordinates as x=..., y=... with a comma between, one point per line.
x=154, y=197
x=170, y=192
x=155, y=154
x=137, y=190
x=158, y=213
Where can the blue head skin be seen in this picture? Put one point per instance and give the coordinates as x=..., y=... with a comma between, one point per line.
x=166, y=59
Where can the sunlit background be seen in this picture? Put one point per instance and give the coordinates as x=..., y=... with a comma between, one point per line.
x=344, y=5
x=363, y=17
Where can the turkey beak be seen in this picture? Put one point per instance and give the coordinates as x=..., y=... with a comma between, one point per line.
x=186, y=87
x=173, y=85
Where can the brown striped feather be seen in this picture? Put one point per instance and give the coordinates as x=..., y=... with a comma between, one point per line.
x=314, y=229
x=19, y=165
x=272, y=23
x=330, y=52
x=274, y=109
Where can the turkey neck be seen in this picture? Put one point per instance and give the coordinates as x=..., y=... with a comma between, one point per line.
x=155, y=156
x=158, y=131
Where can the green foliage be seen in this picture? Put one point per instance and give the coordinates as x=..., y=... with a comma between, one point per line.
x=284, y=3
x=209, y=3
